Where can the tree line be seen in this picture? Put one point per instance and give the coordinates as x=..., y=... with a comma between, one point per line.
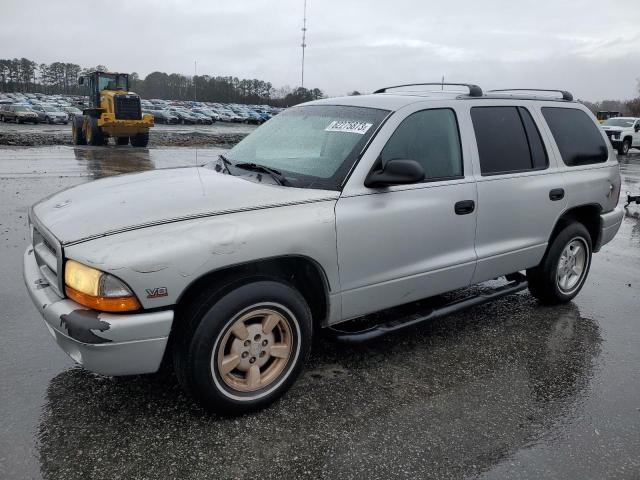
x=26, y=76
x=630, y=108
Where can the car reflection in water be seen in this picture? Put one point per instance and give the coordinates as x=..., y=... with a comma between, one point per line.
x=451, y=398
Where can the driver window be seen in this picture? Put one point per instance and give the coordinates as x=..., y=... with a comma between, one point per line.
x=431, y=138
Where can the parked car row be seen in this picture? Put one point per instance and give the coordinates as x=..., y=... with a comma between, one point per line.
x=172, y=112
x=21, y=107
x=39, y=108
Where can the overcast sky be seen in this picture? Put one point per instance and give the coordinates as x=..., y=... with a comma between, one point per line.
x=590, y=47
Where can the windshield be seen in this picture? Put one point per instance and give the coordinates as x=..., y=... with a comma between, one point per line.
x=112, y=82
x=50, y=109
x=20, y=108
x=620, y=122
x=314, y=145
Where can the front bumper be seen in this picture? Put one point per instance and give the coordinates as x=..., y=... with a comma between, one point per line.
x=609, y=225
x=110, y=344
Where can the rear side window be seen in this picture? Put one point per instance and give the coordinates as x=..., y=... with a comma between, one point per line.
x=430, y=137
x=508, y=140
x=577, y=136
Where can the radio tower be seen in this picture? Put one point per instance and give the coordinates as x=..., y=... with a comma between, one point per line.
x=304, y=38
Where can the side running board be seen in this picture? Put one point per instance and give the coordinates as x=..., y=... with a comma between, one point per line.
x=517, y=283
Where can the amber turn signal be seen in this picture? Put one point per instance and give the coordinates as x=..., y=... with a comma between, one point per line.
x=104, y=304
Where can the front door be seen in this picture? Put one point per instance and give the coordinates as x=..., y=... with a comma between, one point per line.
x=406, y=242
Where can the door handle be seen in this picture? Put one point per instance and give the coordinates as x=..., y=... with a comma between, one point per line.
x=556, y=194
x=464, y=207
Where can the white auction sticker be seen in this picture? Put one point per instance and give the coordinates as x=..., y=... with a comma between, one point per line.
x=348, y=127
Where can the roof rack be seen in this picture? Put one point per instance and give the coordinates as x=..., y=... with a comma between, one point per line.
x=474, y=90
x=565, y=95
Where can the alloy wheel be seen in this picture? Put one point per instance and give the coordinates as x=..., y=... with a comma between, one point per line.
x=572, y=265
x=254, y=350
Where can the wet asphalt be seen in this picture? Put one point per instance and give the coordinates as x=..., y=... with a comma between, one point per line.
x=509, y=390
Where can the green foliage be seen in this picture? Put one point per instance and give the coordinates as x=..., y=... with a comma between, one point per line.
x=23, y=75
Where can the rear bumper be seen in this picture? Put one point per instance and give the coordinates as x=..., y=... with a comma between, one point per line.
x=609, y=225
x=109, y=344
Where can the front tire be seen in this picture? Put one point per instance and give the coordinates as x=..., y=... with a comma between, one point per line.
x=564, y=268
x=624, y=148
x=241, y=349
x=95, y=136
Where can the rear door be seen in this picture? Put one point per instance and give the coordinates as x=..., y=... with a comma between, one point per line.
x=520, y=191
x=406, y=242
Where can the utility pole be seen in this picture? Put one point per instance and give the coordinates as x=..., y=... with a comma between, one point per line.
x=195, y=86
x=304, y=38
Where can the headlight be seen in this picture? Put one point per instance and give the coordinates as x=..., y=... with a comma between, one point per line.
x=98, y=290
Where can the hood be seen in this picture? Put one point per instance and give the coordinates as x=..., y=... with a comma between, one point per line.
x=127, y=202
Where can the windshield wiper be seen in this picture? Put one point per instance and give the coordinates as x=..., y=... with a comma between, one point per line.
x=226, y=162
x=256, y=167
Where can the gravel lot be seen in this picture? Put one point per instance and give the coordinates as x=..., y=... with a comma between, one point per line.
x=507, y=390
x=218, y=134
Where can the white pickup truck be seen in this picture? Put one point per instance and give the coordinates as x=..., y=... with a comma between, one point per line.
x=624, y=133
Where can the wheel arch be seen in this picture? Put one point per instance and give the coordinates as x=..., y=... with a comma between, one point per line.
x=302, y=272
x=588, y=215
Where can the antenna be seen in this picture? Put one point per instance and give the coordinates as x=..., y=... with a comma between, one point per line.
x=304, y=38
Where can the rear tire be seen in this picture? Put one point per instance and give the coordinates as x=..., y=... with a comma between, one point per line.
x=76, y=131
x=140, y=139
x=122, y=140
x=624, y=148
x=239, y=349
x=564, y=268
x=95, y=136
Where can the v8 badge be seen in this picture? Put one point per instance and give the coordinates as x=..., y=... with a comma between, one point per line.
x=157, y=292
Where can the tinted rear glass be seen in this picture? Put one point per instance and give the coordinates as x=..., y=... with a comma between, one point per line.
x=577, y=136
x=502, y=141
x=538, y=152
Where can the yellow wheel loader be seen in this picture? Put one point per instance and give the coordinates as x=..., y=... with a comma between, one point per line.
x=113, y=111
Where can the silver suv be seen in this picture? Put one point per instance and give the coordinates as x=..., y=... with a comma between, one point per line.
x=331, y=211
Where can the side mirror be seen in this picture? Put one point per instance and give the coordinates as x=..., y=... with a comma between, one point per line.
x=80, y=80
x=637, y=127
x=395, y=172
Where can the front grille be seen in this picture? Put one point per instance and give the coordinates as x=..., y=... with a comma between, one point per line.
x=127, y=107
x=47, y=258
x=611, y=134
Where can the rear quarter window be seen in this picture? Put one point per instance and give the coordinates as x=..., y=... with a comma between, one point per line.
x=577, y=136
